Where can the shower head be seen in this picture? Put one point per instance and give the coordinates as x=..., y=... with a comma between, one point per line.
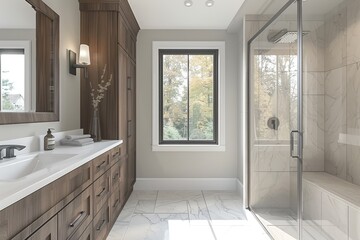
x=283, y=36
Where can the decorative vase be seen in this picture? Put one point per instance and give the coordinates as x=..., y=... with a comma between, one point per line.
x=94, y=129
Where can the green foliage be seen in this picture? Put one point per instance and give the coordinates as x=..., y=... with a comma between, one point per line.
x=6, y=87
x=171, y=133
x=274, y=88
x=198, y=96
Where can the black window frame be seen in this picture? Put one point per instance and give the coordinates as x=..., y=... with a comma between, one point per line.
x=215, y=54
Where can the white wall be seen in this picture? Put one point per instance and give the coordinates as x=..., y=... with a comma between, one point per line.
x=184, y=164
x=69, y=13
x=241, y=106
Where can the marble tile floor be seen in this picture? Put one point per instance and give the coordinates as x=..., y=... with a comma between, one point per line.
x=282, y=225
x=186, y=215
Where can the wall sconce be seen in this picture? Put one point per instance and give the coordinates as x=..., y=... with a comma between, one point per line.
x=84, y=60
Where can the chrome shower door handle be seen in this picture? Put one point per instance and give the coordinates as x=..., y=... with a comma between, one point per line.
x=292, y=144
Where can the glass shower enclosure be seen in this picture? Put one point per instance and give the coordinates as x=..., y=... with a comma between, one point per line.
x=286, y=100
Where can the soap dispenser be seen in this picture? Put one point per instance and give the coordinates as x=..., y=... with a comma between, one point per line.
x=49, y=140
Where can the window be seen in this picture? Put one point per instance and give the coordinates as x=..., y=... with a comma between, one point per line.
x=12, y=74
x=275, y=81
x=15, y=76
x=188, y=96
x=188, y=99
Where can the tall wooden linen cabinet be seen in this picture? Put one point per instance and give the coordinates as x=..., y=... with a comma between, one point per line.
x=109, y=28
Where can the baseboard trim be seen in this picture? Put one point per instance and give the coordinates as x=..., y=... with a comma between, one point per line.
x=229, y=184
x=239, y=187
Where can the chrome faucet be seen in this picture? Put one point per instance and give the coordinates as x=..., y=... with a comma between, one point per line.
x=9, y=150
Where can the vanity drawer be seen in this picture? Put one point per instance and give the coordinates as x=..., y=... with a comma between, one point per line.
x=76, y=215
x=101, y=191
x=46, y=232
x=115, y=175
x=101, y=223
x=86, y=235
x=115, y=154
x=100, y=165
x=115, y=205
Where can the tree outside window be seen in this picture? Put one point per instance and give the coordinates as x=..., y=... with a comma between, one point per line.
x=188, y=96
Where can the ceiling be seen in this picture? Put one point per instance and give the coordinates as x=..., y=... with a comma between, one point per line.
x=172, y=14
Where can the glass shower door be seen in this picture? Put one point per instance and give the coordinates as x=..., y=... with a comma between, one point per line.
x=275, y=120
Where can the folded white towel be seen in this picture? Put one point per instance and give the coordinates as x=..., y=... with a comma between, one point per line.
x=78, y=142
x=74, y=137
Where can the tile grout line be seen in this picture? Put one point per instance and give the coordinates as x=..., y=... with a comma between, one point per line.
x=156, y=199
x=131, y=216
x=209, y=221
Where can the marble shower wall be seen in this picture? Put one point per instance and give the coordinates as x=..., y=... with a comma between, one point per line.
x=342, y=91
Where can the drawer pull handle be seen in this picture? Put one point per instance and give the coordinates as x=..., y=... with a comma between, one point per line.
x=100, y=193
x=73, y=223
x=115, y=176
x=100, y=226
x=116, y=203
x=115, y=155
x=99, y=166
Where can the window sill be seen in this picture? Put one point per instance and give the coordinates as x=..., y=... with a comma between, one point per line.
x=188, y=148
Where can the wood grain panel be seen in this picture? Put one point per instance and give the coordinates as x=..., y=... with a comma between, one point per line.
x=101, y=223
x=46, y=232
x=115, y=154
x=99, y=31
x=43, y=204
x=124, y=180
x=47, y=69
x=101, y=191
x=122, y=111
x=115, y=176
x=76, y=216
x=101, y=164
x=115, y=205
x=85, y=235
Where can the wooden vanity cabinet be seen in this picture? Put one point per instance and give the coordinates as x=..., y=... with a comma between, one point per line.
x=77, y=206
x=43, y=204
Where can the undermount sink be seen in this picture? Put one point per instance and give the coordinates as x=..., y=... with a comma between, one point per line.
x=28, y=164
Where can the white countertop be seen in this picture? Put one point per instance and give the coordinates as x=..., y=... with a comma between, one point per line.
x=13, y=191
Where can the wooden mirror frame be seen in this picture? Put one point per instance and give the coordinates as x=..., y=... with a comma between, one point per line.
x=47, y=69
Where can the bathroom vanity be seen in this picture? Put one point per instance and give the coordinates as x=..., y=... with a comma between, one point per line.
x=77, y=198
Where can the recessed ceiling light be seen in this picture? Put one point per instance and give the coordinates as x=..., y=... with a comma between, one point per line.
x=209, y=3
x=188, y=3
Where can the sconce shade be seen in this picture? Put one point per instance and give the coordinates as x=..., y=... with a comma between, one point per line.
x=84, y=56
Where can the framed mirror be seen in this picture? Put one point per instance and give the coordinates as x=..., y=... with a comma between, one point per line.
x=29, y=62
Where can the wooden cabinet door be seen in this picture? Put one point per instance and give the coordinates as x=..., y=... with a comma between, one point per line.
x=123, y=123
x=114, y=205
x=124, y=180
x=46, y=232
x=132, y=123
x=101, y=223
x=115, y=176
